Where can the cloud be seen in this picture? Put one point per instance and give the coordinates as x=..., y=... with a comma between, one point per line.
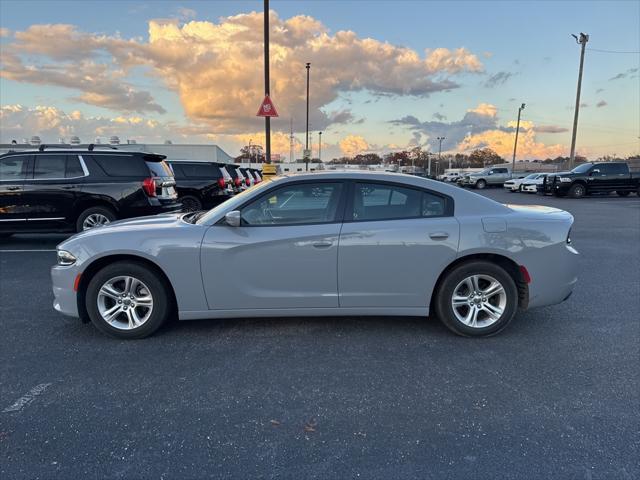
x=439, y=116
x=4, y=32
x=352, y=145
x=498, y=79
x=549, y=129
x=624, y=74
x=216, y=68
x=601, y=103
x=96, y=83
x=480, y=128
x=187, y=13
x=485, y=109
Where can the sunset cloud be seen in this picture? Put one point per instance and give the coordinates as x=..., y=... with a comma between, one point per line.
x=216, y=68
x=353, y=144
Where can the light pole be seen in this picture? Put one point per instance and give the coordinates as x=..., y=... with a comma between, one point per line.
x=267, y=120
x=437, y=168
x=319, y=147
x=440, y=139
x=515, y=145
x=429, y=167
x=306, y=147
x=584, y=38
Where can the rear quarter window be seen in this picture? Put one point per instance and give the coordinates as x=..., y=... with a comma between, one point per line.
x=204, y=170
x=122, y=165
x=159, y=169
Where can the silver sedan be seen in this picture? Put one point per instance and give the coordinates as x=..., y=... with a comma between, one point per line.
x=323, y=244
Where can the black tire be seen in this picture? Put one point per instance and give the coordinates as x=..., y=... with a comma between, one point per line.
x=444, y=309
x=577, y=190
x=190, y=204
x=623, y=193
x=103, y=211
x=481, y=184
x=158, y=290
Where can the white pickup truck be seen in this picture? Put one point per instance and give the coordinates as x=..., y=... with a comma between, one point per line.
x=489, y=176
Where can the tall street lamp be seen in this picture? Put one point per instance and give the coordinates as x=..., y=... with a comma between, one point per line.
x=515, y=145
x=306, y=147
x=320, y=147
x=440, y=139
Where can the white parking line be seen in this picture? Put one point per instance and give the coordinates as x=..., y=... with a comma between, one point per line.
x=26, y=399
x=19, y=251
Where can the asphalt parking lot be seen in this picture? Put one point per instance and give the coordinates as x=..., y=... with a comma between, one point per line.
x=556, y=395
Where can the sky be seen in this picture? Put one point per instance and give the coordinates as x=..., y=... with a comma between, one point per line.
x=385, y=75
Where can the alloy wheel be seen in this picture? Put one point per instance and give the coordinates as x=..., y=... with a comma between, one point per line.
x=94, y=220
x=125, y=302
x=479, y=301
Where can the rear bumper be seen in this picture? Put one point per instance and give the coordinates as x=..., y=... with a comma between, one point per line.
x=554, y=281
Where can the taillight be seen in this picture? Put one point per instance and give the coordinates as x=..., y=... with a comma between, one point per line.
x=247, y=182
x=149, y=186
x=221, y=182
x=238, y=182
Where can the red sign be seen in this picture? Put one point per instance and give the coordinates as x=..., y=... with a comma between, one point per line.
x=267, y=108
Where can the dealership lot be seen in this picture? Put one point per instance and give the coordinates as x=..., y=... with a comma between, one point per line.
x=556, y=394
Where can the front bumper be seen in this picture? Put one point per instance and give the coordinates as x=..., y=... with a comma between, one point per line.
x=65, y=299
x=557, y=187
x=530, y=188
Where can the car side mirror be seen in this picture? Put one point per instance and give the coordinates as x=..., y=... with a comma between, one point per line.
x=233, y=218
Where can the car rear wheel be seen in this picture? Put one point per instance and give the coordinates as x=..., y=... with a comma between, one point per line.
x=94, y=217
x=481, y=184
x=128, y=300
x=476, y=299
x=577, y=191
x=191, y=204
x=623, y=194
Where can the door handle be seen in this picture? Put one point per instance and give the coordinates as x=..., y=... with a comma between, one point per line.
x=439, y=235
x=322, y=244
x=13, y=188
x=69, y=187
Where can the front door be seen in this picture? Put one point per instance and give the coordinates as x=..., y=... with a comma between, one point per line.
x=283, y=255
x=394, y=243
x=13, y=171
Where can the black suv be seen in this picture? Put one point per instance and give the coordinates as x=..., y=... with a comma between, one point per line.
x=200, y=184
x=70, y=190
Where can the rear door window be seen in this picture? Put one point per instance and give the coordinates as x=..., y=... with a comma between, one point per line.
x=73, y=168
x=373, y=202
x=122, y=165
x=49, y=167
x=13, y=168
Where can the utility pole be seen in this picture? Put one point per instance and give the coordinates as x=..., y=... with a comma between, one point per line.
x=515, y=145
x=306, y=145
x=429, y=167
x=291, y=140
x=582, y=41
x=320, y=147
x=267, y=120
x=440, y=139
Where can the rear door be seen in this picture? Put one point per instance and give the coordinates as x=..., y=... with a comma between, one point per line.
x=394, y=243
x=603, y=177
x=52, y=188
x=13, y=172
x=498, y=176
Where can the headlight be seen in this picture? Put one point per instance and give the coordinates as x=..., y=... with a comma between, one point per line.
x=65, y=258
x=565, y=179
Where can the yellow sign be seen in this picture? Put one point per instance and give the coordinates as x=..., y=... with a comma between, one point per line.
x=268, y=169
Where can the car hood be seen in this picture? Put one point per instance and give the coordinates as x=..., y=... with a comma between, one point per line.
x=166, y=220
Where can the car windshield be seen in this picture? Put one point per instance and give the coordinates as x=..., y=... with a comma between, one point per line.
x=532, y=176
x=585, y=167
x=232, y=203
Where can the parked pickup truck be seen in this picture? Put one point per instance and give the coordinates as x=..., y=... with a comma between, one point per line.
x=489, y=176
x=589, y=178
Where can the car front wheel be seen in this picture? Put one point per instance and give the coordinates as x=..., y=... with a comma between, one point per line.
x=128, y=300
x=476, y=299
x=577, y=191
x=481, y=184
